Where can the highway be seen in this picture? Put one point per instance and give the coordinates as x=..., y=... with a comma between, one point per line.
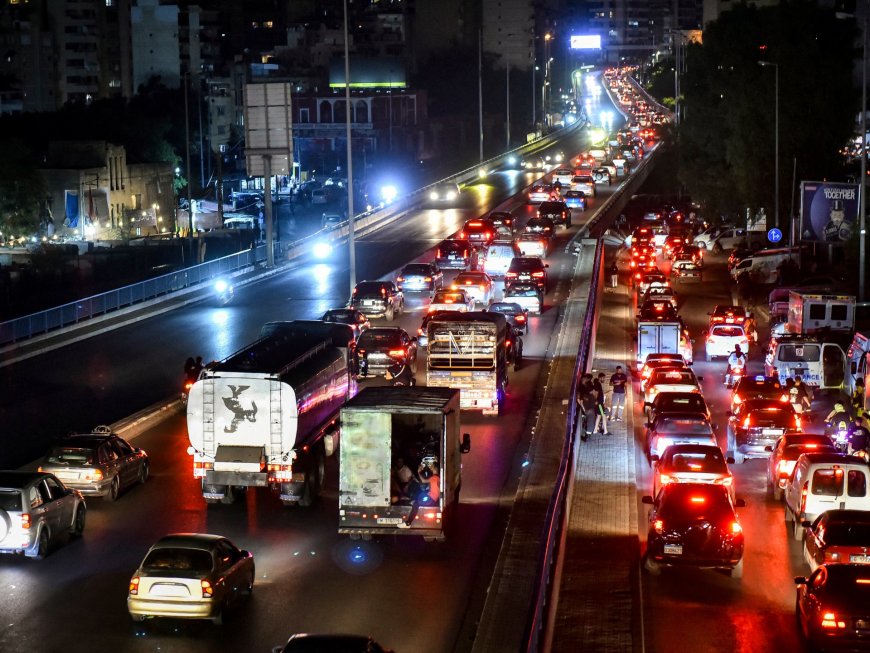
x=411, y=596
x=687, y=610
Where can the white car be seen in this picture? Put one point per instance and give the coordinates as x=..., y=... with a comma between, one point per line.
x=499, y=255
x=531, y=244
x=670, y=380
x=585, y=184
x=678, y=428
x=477, y=285
x=563, y=176
x=526, y=294
x=451, y=300
x=721, y=340
x=727, y=237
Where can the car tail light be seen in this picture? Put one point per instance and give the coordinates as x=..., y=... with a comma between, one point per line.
x=94, y=475
x=510, y=275
x=400, y=279
x=482, y=287
x=25, y=521
x=783, y=398
x=832, y=556
x=134, y=586
x=804, y=497
x=465, y=253
x=461, y=235
x=747, y=422
x=658, y=526
x=664, y=479
x=737, y=400
x=736, y=528
x=397, y=353
x=207, y=590
x=520, y=318
x=437, y=254
x=428, y=279
x=727, y=481
x=829, y=620
x=697, y=499
x=538, y=275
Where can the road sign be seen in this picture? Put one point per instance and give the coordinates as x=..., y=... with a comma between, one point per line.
x=774, y=235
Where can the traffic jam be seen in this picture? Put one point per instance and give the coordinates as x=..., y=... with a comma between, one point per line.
x=723, y=390
x=476, y=294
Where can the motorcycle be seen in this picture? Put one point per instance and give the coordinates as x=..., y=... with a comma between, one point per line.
x=838, y=431
x=732, y=376
x=223, y=291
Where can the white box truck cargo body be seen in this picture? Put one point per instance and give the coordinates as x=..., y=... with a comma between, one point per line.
x=662, y=338
x=261, y=417
x=815, y=312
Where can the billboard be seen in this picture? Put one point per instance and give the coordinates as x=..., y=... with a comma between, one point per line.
x=585, y=41
x=829, y=211
x=268, y=128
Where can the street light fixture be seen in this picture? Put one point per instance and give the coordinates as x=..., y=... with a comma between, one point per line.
x=776, y=149
x=544, y=114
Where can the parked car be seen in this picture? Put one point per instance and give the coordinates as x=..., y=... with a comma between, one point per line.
x=37, y=512
x=830, y=598
x=190, y=576
x=97, y=464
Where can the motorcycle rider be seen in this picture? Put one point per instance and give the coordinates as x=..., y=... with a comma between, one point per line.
x=736, y=365
x=858, y=397
x=838, y=421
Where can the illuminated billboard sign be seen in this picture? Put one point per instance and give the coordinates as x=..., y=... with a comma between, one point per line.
x=585, y=41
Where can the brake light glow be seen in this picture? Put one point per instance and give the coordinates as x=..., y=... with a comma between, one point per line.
x=747, y=422
x=397, y=353
x=538, y=274
x=697, y=499
x=400, y=278
x=832, y=556
x=665, y=479
x=200, y=468
x=94, y=475
x=658, y=526
x=280, y=473
x=727, y=481
x=736, y=528
x=829, y=620
x=25, y=521
x=804, y=491
x=474, y=224
x=134, y=586
x=207, y=590
x=427, y=279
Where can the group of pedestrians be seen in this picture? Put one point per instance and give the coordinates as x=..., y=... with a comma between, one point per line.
x=591, y=404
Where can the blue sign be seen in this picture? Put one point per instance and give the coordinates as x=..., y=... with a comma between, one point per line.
x=774, y=235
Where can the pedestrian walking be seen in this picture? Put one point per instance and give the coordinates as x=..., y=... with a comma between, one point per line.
x=617, y=400
x=614, y=275
x=600, y=411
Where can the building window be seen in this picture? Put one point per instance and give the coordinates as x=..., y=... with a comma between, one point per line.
x=325, y=112
x=303, y=115
x=362, y=111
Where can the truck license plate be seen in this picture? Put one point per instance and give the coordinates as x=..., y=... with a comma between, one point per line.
x=390, y=521
x=673, y=549
x=861, y=559
x=771, y=431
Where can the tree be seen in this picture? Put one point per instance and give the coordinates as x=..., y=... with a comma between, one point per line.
x=727, y=136
x=22, y=190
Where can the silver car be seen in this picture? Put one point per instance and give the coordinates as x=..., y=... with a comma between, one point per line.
x=190, y=576
x=36, y=512
x=97, y=464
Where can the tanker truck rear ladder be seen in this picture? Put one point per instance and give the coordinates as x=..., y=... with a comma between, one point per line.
x=208, y=416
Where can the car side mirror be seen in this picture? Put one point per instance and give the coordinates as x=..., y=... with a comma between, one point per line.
x=730, y=460
x=805, y=523
x=465, y=445
x=769, y=448
x=740, y=503
x=647, y=500
x=800, y=580
x=245, y=553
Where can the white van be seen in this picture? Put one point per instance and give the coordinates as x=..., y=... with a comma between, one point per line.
x=499, y=255
x=819, y=364
x=825, y=481
x=762, y=265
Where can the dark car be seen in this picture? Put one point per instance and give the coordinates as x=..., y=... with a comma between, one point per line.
x=756, y=424
x=350, y=316
x=305, y=643
x=694, y=525
x=502, y=219
x=833, y=607
x=517, y=316
x=385, y=349
x=558, y=212
x=541, y=226
x=420, y=276
x=838, y=536
x=757, y=387
x=97, y=464
x=479, y=231
x=657, y=309
x=677, y=402
x=527, y=268
x=378, y=299
x=456, y=254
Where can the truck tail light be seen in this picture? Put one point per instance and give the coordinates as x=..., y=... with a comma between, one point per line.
x=200, y=468
x=736, y=528
x=280, y=473
x=25, y=521
x=134, y=586
x=207, y=590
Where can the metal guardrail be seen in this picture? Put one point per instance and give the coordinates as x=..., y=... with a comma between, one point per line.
x=58, y=317
x=556, y=509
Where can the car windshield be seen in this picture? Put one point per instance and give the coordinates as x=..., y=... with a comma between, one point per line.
x=693, y=403
x=178, y=559
x=849, y=582
x=374, y=338
x=520, y=291
x=683, y=426
x=341, y=316
x=689, y=501
x=727, y=331
x=370, y=289
x=449, y=298
x=10, y=500
x=416, y=269
x=70, y=456
x=797, y=353
x=710, y=462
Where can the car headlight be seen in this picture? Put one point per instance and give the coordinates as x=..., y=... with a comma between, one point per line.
x=322, y=249
x=451, y=195
x=433, y=195
x=221, y=286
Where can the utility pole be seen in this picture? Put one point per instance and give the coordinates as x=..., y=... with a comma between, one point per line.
x=507, y=108
x=862, y=187
x=480, y=88
x=187, y=157
x=351, y=236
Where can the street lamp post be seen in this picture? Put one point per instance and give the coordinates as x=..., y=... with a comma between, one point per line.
x=480, y=90
x=862, y=202
x=776, y=142
x=547, y=38
x=350, y=215
x=507, y=101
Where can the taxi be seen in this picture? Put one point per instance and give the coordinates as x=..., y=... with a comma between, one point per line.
x=670, y=380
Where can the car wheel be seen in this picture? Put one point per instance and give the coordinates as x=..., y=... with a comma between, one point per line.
x=144, y=472
x=79, y=521
x=389, y=315
x=44, y=544
x=114, y=490
x=737, y=572
x=653, y=567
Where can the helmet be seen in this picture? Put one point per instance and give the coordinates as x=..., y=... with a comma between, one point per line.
x=426, y=473
x=737, y=349
x=838, y=407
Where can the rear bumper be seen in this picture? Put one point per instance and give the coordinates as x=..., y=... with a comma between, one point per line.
x=196, y=609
